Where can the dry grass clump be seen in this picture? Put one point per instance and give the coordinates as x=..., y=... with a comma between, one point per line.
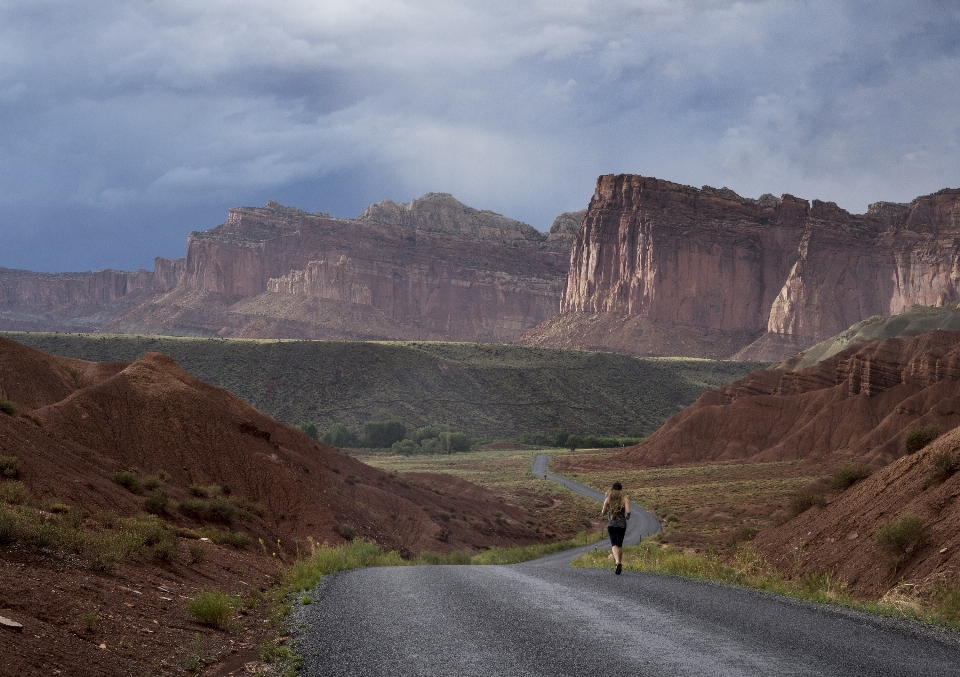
x=211, y=607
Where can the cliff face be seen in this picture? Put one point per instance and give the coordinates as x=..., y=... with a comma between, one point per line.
x=711, y=260
x=37, y=301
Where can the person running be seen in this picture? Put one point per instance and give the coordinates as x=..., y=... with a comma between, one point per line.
x=617, y=508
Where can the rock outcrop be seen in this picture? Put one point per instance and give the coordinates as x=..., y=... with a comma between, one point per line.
x=858, y=403
x=431, y=269
x=783, y=270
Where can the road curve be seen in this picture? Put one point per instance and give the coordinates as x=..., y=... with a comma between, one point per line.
x=544, y=618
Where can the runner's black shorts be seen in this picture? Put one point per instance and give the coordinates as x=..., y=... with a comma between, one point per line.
x=616, y=535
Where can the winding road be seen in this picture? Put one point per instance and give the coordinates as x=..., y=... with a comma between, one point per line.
x=544, y=618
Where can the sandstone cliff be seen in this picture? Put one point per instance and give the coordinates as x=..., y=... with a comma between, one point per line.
x=434, y=269
x=783, y=270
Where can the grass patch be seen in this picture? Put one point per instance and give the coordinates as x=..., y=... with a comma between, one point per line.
x=211, y=607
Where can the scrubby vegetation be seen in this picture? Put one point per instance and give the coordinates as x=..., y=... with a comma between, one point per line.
x=917, y=439
x=482, y=390
x=944, y=465
x=899, y=537
x=804, y=500
x=8, y=407
x=846, y=477
x=128, y=480
x=10, y=467
x=211, y=607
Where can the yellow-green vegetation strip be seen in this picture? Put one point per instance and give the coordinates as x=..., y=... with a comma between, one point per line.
x=748, y=569
x=676, y=490
x=506, y=473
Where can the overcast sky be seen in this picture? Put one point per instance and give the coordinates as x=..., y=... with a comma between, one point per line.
x=128, y=124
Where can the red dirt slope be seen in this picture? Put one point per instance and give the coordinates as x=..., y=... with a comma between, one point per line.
x=857, y=404
x=839, y=538
x=79, y=423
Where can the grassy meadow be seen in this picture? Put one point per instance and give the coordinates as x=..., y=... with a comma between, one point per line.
x=489, y=391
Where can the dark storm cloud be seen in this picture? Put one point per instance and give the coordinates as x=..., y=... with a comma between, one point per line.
x=126, y=124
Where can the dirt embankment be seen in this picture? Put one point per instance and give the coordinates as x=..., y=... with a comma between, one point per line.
x=76, y=424
x=857, y=404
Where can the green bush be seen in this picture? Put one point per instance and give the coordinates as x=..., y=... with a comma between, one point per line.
x=945, y=465
x=152, y=482
x=10, y=467
x=128, y=480
x=338, y=435
x=897, y=538
x=156, y=502
x=211, y=607
x=310, y=430
x=382, y=434
x=803, y=501
x=194, y=508
x=14, y=493
x=8, y=407
x=846, y=477
x=917, y=439
x=237, y=539
x=219, y=510
x=407, y=447
x=346, y=531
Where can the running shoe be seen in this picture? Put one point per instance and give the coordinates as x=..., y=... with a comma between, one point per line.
x=618, y=569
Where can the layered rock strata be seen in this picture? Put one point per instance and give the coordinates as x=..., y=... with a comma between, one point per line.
x=434, y=269
x=857, y=403
x=796, y=272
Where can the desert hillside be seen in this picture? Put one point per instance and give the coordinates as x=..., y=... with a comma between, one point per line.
x=485, y=390
x=857, y=404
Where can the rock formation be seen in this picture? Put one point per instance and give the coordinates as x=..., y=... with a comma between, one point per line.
x=858, y=403
x=431, y=269
x=713, y=265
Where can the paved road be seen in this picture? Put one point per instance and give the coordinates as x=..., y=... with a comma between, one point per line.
x=543, y=618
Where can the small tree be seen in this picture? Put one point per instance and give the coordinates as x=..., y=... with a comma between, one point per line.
x=310, y=430
x=560, y=437
x=382, y=434
x=339, y=436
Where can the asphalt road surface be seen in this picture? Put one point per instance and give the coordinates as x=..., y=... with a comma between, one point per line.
x=546, y=618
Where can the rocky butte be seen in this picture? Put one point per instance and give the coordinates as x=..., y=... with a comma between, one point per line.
x=660, y=268
x=431, y=269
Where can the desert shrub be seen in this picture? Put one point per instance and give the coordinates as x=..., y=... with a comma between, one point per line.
x=33, y=531
x=211, y=607
x=152, y=482
x=156, y=502
x=90, y=621
x=338, y=435
x=135, y=539
x=945, y=464
x=219, y=510
x=237, y=539
x=743, y=534
x=309, y=429
x=382, y=434
x=249, y=506
x=128, y=480
x=803, y=501
x=896, y=538
x=8, y=407
x=196, y=552
x=198, y=490
x=351, y=479
x=346, y=531
x=917, y=439
x=673, y=519
x=846, y=477
x=194, y=508
x=10, y=467
x=14, y=493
